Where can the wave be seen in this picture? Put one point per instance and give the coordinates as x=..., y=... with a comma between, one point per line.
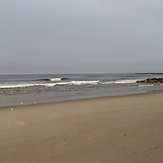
x=18, y=86
x=105, y=82
x=51, y=79
x=55, y=79
x=58, y=82
x=147, y=85
x=23, y=85
x=36, y=79
x=120, y=81
x=126, y=81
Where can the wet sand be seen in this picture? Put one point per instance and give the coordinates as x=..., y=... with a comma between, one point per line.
x=121, y=129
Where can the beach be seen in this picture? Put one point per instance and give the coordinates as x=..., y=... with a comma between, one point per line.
x=118, y=129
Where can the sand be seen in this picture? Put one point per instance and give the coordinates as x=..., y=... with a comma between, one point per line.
x=122, y=129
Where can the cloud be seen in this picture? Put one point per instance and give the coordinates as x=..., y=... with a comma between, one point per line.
x=76, y=32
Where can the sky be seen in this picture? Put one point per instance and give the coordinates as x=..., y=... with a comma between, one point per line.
x=85, y=36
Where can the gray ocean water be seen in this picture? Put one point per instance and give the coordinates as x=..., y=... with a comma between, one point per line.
x=29, y=89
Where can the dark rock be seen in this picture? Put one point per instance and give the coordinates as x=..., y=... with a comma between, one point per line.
x=151, y=80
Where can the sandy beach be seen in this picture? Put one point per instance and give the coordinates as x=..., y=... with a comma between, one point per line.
x=122, y=129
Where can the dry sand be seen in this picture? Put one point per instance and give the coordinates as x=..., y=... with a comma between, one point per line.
x=124, y=129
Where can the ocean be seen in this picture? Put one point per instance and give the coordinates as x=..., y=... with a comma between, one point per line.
x=42, y=88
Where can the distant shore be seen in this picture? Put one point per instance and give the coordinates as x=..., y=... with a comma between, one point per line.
x=107, y=129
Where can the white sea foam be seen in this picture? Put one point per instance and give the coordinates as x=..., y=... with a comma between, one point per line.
x=120, y=82
x=55, y=79
x=146, y=85
x=48, y=84
x=77, y=83
x=111, y=82
x=18, y=85
x=71, y=83
x=84, y=82
x=55, y=83
x=125, y=81
x=23, y=85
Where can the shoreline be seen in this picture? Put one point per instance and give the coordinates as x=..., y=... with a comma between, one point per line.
x=47, y=88
x=82, y=99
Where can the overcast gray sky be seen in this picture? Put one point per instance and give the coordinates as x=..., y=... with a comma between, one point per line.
x=86, y=36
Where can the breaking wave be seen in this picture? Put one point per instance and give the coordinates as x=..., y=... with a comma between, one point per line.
x=52, y=79
x=146, y=85
x=58, y=82
x=23, y=85
x=126, y=81
x=120, y=81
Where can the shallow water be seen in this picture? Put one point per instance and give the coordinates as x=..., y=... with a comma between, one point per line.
x=28, y=89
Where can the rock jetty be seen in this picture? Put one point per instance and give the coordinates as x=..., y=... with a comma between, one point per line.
x=151, y=80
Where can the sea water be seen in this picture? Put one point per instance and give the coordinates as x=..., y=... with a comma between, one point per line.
x=41, y=88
